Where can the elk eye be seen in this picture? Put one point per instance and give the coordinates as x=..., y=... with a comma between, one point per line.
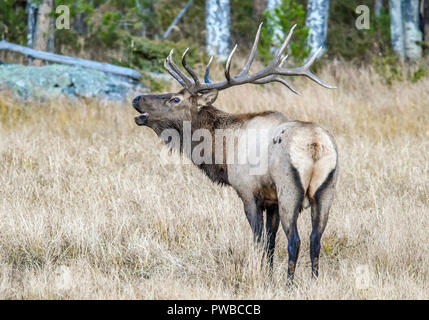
x=175, y=100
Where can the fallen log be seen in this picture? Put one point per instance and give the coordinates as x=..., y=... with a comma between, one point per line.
x=47, y=56
x=176, y=20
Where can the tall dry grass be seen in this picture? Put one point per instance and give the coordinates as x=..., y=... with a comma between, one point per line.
x=87, y=211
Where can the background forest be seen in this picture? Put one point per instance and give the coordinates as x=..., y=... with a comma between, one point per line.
x=140, y=33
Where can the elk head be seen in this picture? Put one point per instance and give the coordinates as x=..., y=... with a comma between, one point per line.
x=166, y=110
x=171, y=107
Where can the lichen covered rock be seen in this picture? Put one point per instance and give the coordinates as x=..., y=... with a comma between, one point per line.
x=50, y=81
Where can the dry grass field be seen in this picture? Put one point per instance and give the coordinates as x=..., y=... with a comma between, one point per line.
x=87, y=211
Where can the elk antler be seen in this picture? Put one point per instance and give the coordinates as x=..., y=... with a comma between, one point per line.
x=271, y=73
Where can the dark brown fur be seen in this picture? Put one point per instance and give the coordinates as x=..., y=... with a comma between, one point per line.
x=210, y=118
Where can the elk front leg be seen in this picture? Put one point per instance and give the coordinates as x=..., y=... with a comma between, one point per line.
x=254, y=215
x=271, y=227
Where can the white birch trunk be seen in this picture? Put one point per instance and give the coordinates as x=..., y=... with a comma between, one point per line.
x=317, y=22
x=377, y=7
x=217, y=28
x=277, y=32
x=412, y=32
x=43, y=24
x=31, y=10
x=396, y=27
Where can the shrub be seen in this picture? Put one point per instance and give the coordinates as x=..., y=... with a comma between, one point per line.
x=346, y=41
x=149, y=55
x=13, y=27
x=285, y=16
x=105, y=22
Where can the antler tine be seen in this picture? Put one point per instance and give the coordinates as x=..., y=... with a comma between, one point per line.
x=312, y=59
x=228, y=64
x=283, y=60
x=207, y=74
x=179, y=72
x=285, y=44
x=288, y=85
x=274, y=78
x=316, y=79
x=305, y=71
x=189, y=69
x=173, y=74
x=311, y=75
x=252, y=54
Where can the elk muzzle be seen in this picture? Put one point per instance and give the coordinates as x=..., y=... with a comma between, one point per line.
x=141, y=119
x=135, y=104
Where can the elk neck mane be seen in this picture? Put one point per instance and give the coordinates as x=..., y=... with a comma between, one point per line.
x=210, y=118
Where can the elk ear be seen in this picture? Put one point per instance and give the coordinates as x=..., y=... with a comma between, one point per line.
x=207, y=98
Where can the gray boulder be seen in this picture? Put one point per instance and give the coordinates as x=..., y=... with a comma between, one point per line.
x=50, y=81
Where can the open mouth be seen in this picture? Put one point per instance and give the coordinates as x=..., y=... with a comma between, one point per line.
x=141, y=119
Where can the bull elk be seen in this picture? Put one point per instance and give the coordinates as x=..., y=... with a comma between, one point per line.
x=302, y=156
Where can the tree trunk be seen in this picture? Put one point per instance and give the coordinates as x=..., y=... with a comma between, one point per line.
x=217, y=28
x=43, y=26
x=79, y=24
x=425, y=19
x=412, y=32
x=177, y=19
x=51, y=33
x=141, y=10
x=317, y=22
x=31, y=10
x=377, y=7
x=277, y=32
x=259, y=7
x=42, y=55
x=396, y=27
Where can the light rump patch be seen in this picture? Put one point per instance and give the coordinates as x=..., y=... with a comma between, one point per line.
x=313, y=154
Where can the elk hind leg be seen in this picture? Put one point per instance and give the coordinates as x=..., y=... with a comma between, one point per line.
x=321, y=202
x=290, y=197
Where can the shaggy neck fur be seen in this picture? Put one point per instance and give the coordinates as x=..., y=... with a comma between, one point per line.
x=210, y=118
